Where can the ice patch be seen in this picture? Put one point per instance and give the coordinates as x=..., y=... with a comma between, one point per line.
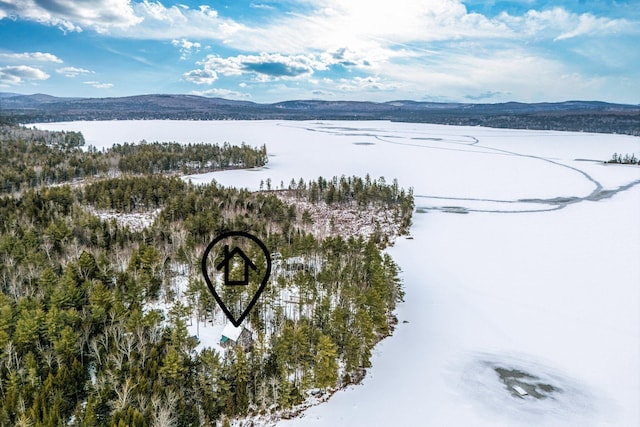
x=517, y=389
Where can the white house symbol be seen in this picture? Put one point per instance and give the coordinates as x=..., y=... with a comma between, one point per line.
x=225, y=263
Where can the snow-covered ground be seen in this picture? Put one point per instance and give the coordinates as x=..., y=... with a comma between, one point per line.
x=541, y=277
x=136, y=221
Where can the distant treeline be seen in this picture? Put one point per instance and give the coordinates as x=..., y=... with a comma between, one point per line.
x=627, y=159
x=33, y=157
x=626, y=121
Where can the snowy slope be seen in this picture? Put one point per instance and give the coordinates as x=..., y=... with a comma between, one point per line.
x=541, y=277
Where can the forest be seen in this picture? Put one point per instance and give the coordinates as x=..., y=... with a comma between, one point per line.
x=33, y=157
x=94, y=324
x=577, y=116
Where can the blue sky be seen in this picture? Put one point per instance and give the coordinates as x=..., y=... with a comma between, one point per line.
x=269, y=51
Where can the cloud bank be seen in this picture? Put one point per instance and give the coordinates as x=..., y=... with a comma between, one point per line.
x=415, y=48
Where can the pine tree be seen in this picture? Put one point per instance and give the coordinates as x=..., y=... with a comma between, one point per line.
x=325, y=369
x=241, y=379
x=173, y=368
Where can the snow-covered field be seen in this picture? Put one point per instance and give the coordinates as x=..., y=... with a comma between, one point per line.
x=540, y=278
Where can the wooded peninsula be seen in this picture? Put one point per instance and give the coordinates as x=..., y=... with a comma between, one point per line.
x=95, y=313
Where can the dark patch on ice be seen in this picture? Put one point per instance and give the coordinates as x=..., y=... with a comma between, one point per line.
x=553, y=201
x=521, y=384
x=455, y=209
x=546, y=205
x=510, y=388
x=447, y=209
x=426, y=139
x=364, y=143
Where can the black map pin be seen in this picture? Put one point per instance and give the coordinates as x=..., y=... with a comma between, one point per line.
x=241, y=264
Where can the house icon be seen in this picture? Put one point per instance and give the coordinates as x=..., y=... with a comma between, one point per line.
x=227, y=264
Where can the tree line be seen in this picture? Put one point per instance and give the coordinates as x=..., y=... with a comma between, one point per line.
x=627, y=159
x=34, y=157
x=190, y=158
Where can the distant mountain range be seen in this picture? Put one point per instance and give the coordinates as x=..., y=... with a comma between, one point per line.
x=588, y=116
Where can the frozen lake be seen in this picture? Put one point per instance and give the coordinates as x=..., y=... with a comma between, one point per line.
x=537, y=285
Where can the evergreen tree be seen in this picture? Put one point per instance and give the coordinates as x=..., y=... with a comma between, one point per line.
x=325, y=369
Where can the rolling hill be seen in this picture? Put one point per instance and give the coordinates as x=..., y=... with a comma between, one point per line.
x=588, y=116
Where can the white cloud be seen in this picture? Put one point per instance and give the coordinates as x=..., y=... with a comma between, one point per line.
x=261, y=6
x=371, y=29
x=222, y=93
x=186, y=47
x=99, y=85
x=371, y=83
x=74, y=15
x=272, y=66
x=178, y=22
x=484, y=96
x=73, y=71
x=457, y=74
x=590, y=25
x=15, y=75
x=31, y=56
x=560, y=24
x=345, y=57
x=263, y=67
x=204, y=76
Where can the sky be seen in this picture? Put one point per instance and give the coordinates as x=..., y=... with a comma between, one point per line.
x=473, y=51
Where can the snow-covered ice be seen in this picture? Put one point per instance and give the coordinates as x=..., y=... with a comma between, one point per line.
x=541, y=276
